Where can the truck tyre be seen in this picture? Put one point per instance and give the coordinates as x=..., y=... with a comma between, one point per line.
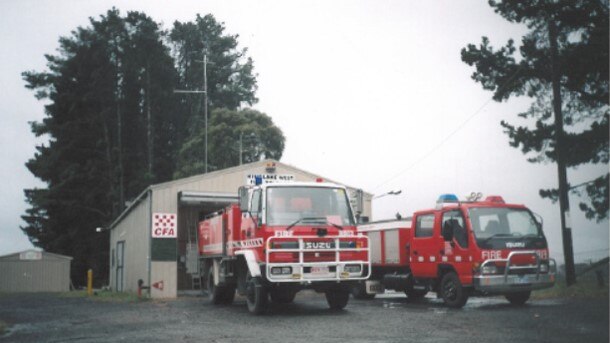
x=359, y=292
x=256, y=295
x=282, y=296
x=415, y=294
x=337, y=298
x=453, y=293
x=518, y=298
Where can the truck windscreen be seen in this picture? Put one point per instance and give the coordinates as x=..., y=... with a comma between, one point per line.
x=285, y=205
x=500, y=227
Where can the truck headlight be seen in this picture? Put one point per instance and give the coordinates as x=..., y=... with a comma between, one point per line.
x=489, y=269
x=352, y=268
x=281, y=270
x=544, y=268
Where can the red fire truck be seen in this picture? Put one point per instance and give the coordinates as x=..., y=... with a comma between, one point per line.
x=280, y=239
x=458, y=249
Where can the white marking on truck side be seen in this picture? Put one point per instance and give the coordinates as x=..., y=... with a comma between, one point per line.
x=255, y=269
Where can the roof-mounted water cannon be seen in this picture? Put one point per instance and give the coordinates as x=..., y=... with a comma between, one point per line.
x=446, y=198
x=474, y=196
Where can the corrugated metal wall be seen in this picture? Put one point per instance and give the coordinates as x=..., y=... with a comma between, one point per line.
x=49, y=274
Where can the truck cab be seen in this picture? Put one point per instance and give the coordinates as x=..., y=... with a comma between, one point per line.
x=480, y=247
x=280, y=239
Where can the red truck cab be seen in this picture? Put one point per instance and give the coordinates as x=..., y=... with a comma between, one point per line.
x=463, y=248
x=280, y=239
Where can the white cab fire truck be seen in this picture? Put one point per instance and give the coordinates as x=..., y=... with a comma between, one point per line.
x=458, y=249
x=280, y=239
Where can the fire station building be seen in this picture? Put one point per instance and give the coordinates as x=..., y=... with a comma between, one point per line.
x=155, y=239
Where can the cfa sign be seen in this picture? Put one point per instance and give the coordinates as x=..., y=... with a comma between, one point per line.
x=164, y=225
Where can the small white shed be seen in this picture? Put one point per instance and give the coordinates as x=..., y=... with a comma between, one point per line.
x=34, y=271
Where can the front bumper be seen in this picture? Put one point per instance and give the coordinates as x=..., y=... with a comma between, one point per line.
x=513, y=283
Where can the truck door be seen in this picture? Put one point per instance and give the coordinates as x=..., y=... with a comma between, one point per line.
x=425, y=245
x=250, y=220
x=455, y=252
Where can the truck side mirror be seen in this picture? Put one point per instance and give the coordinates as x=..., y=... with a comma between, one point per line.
x=243, y=199
x=447, y=231
x=539, y=219
x=359, y=205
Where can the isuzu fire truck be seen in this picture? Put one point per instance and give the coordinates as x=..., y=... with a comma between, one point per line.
x=280, y=239
x=458, y=249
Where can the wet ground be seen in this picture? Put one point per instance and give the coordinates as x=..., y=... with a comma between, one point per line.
x=388, y=318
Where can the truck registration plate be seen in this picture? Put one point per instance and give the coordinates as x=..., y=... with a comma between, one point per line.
x=523, y=279
x=319, y=270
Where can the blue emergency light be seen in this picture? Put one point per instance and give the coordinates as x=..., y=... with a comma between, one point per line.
x=447, y=198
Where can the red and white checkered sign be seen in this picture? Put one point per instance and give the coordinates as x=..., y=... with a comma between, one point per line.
x=164, y=225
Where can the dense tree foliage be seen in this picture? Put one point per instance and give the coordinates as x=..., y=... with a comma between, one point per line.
x=582, y=37
x=231, y=81
x=248, y=132
x=115, y=125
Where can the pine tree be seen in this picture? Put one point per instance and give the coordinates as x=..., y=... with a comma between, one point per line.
x=97, y=121
x=582, y=37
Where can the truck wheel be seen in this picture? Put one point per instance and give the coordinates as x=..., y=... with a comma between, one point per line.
x=359, y=292
x=256, y=295
x=415, y=294
x=282, y=296
x=453, y=293
x=337, y=298
x=518, y=298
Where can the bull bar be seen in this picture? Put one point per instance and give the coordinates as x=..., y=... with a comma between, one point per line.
x=507, y=282
x=298, y=273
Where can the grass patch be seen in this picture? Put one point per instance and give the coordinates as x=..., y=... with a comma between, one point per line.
x=579, y=290
x=121, y=297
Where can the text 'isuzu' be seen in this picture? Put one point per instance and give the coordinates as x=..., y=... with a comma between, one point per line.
x=459, y=249
x=280, y=239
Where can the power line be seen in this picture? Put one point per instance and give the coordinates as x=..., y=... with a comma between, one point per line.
x=436, y=147
x=457, y=129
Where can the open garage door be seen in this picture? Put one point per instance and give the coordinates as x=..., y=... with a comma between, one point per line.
x=193, y=207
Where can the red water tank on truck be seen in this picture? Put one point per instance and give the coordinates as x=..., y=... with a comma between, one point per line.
x=459, y=249
x=280, y=239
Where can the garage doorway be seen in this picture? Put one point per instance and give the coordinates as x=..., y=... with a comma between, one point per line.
x=193, y=207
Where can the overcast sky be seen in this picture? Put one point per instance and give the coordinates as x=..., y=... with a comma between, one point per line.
x=369, y=93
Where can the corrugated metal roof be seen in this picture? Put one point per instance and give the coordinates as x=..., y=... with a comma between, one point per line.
x=44, y=254
x=247, y=166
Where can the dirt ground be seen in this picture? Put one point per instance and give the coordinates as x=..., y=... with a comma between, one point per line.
x=388, y=318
